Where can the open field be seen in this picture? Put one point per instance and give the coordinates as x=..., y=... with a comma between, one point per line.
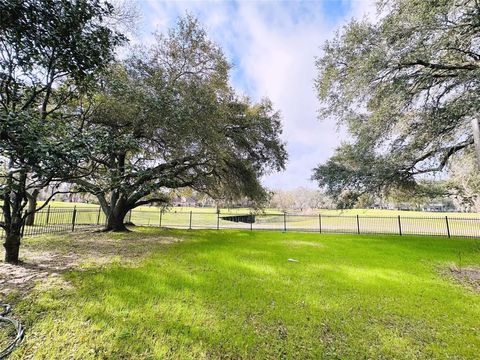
x=347, y=212
x=206, y=294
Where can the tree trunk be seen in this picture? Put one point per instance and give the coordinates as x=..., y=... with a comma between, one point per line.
x=12, y=246
x=32, y=205
x=12, y=208
x=115, y=220
x=476, y=138
x=115, y=211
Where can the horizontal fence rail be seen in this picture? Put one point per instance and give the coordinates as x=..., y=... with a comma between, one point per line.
x=57, y=220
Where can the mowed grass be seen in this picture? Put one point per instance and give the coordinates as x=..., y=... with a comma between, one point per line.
x=235, y=295
x=333, y=212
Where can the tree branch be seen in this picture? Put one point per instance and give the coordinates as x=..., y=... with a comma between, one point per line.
x=436, y=66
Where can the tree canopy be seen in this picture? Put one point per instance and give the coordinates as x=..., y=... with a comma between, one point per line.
x=50, y=52
x=167, y=118
x=406, y=88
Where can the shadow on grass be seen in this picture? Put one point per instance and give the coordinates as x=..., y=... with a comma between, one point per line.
x=234, y=295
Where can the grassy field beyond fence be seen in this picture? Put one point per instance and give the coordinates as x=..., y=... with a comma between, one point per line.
x=361, y=212
x=61, y=217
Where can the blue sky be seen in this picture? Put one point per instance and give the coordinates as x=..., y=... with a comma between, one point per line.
x=272, y=46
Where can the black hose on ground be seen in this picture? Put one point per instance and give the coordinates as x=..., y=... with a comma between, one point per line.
x=4, y=310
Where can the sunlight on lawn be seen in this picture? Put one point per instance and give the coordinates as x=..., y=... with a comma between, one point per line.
x=235, y=294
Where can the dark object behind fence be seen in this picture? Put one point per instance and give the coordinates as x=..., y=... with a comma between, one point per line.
x=247, y=219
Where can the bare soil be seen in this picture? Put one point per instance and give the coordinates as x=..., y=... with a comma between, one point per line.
x=468, y=276
x=45, y=257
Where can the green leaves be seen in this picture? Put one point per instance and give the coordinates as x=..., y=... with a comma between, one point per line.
x=168, y=119
x=50, y=53
x=57, y=36
x=406, y=88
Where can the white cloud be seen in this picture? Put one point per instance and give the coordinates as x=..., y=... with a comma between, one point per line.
x=280, y=61
x=273, y=46
x=363, y=8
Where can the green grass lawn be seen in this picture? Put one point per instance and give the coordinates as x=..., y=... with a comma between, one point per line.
x=235, y=295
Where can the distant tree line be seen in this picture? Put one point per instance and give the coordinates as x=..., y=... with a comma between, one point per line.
x=300, y=199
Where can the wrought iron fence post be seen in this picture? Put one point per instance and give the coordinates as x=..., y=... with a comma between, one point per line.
x=448, y=226
x=320, y=223
x=190, y=225
x=98, y=216
x=218, y=220
x=160, y=218
x=284, y=221
x=399, y=226
x=74, y=216
x=47, y=219
x=358, y=224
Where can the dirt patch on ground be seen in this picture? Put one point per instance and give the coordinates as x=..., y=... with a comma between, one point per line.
x=44, y=258
x=469, y=276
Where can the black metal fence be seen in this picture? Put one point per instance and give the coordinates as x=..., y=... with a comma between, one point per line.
x=55, y=220
x=447, y=226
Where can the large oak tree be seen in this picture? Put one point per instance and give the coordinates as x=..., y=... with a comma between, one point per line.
x=167, y=118
x=406, y=87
